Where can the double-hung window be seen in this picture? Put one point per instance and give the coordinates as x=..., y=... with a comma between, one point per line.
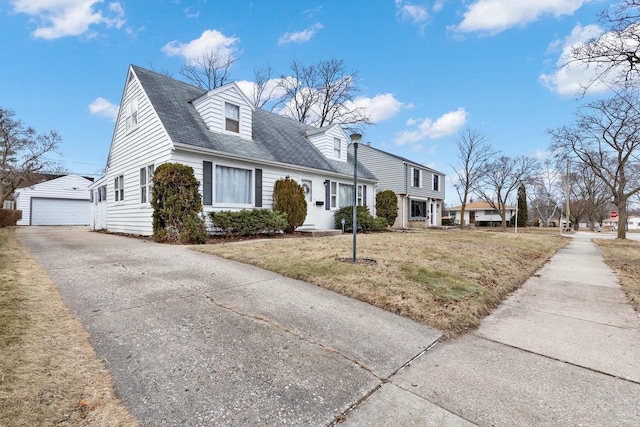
x=337, y=147
x=118, y=187
x=232, y=117
x=146, y=184
x=436, y=182
x=233, y=185
x=131, y=114
x=334, y=194
x=416, y=177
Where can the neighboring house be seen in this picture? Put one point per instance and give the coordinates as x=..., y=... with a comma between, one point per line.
x=237, y=153
x=611, y=224
x=420, y=190
x=481, y=214
x=59, y=201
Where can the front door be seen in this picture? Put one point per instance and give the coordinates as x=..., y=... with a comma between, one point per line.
x=307, y=186
x=472, y=217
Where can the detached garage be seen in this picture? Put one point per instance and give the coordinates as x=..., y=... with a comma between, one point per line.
x=60, y=201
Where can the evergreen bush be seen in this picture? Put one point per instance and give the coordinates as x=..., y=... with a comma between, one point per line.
x=9, y=217
x=288, y=198
x=366, y=222
x=387, y=206
x=177, y=205
x=249, y=222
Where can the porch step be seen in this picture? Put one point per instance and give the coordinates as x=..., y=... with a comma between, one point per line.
x=322, y=233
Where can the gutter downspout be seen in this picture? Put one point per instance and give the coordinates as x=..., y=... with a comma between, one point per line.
x=406, y=195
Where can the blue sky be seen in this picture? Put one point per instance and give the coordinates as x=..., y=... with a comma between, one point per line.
x=426, y=69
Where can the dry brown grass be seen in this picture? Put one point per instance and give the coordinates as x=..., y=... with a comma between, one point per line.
x=446, y=279
x=49, y=372
x=623, y=256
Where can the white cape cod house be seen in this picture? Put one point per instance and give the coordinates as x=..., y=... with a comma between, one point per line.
x=237, y=152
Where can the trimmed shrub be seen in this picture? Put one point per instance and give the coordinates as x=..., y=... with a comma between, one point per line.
x=249, y=222
x=366, y=222
x=177, y=205
x=288, y=198
x=387, y=206
x=9, y=217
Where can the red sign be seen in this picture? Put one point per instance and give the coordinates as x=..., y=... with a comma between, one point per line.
x=614, y=214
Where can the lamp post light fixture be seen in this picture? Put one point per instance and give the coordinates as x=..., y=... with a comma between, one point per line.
x=355, y=139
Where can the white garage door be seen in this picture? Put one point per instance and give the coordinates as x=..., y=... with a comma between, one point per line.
x=60, y=212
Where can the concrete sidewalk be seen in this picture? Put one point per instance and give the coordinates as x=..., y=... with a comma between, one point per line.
x=563, y=350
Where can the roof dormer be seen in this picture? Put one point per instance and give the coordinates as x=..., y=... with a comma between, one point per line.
x=331, y=141
x=226, y=109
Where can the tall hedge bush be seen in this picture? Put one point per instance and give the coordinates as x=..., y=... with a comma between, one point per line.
x=288, y=198
x=177, y=205
x=248, y=222
x=9, y=217
x=387, y=206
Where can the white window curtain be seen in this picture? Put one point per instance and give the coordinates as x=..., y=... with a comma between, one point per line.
x=346, y=195
x=233, y=185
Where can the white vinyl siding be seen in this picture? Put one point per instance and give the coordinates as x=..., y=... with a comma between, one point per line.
x=149, y=144
x=212, y=108
x=325, y=141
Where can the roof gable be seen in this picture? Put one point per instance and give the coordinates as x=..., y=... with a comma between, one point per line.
x=274, y=138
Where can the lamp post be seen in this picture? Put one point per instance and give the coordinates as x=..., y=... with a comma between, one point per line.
x=355, y=139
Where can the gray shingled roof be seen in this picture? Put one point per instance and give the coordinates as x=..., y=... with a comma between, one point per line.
x=275, y=138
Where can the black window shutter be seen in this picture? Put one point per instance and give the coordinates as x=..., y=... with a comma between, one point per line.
x=207, y=188
x=327, y=195
x=258, y=188
x=364, y=195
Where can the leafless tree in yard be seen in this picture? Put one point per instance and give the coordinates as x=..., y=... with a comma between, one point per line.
x=615, y=55
x=322, y=94
x=589, y=196
x=547, y=193
x=22, y=152
x=473, y=153
x=264, y=89
x=500, y=178
x=209, y=71
x=606, y=139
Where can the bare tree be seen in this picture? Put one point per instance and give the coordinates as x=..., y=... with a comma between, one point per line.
x=336, y=90
x=547, y=193
x=606, y=139
x=322, y=94
x=22, y=152
x=299, y=94
x=209, y=71
x=264, y=88
x=473, y=153
x=588, y=195
x=501, y=178
x=615, y=55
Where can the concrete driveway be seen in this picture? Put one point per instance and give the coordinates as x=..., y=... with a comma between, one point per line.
x=196, y=340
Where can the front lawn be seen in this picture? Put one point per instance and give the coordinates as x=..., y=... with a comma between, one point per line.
x=623, y=256
x=447, y=279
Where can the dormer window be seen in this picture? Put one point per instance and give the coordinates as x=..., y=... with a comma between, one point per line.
x=232, y=117
x=337, y=147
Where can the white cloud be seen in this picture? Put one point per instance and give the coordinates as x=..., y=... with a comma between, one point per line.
x=493, y=16
x=410, y=11
x=301, y=36
x=102, y=107
x=210, y=41
x=272, y=89
x=438, y=5
x=447, y=124
x=190, y=12
x=379, y=108
x=60, y=18
x=572, y=76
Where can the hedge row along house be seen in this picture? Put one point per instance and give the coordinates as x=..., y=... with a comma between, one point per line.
x=237, y=152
